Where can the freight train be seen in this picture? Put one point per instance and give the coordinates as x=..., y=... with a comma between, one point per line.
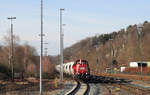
x=77, y=69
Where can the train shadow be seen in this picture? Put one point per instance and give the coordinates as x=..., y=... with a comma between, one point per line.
x=102, y=79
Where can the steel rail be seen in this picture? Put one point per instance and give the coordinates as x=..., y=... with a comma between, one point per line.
x=75, y=89
x=87, y=90
x=80, y=89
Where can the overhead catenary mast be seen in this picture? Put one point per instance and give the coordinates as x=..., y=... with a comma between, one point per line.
x=61, y=46
x=11, y=49
x=41, y=56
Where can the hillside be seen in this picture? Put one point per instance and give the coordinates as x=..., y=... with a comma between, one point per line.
x=114, y=49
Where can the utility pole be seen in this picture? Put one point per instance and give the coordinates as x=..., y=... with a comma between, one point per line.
x=111, y=53
x=11, y=49
x=61, y=46
x=139, y=28
x=41, y=56
x=97, y=65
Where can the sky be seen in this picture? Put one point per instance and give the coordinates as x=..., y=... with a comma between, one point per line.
x=83, y=18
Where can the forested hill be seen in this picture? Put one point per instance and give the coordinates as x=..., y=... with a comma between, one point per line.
x=121, y=47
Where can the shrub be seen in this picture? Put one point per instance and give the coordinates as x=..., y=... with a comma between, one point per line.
x=137, y=70
x=5, y=70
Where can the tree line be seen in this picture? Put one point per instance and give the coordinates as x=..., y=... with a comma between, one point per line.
x=116, y=48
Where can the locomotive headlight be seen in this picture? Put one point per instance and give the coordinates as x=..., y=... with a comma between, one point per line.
x=82, y=68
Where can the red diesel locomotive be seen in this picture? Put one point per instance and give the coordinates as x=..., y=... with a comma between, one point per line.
x=76, y=68
x=81, y=67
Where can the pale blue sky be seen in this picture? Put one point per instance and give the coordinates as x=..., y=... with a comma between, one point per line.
x=83, y=18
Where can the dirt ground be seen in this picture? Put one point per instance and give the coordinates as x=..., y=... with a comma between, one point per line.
x=28, y=87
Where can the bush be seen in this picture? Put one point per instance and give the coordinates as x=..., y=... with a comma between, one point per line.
x=30, y=74
x=47, y=75
x=5, y=70
x=137, y=70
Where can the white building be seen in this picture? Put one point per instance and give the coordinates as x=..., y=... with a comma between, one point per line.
x=139, y=64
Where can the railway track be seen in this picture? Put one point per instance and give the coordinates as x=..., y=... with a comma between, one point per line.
x=81, y=88
x=119, y=82
x=133, y=89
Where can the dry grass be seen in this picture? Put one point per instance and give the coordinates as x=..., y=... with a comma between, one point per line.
x=127, y=76
x=27, y=87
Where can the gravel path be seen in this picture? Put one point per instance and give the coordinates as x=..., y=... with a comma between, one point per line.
x=112, y=90
x=107, y=89
x=95, y=89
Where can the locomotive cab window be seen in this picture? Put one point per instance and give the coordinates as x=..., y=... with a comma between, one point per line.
x=78, y=62
x=83, y=62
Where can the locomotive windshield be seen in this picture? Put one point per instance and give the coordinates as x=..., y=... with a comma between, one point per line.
x=81, y=62
x=84, y=62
